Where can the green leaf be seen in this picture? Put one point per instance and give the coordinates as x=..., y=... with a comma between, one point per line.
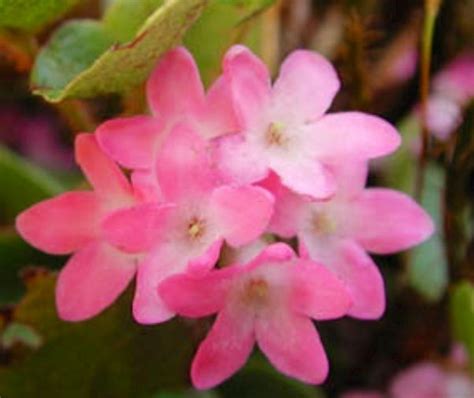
x=121, y=66
x=108, y=356
x=223, y=23
x=427, y=264
x=22, y=184
x=32, y=15
x=124, y=17
x=462, y=316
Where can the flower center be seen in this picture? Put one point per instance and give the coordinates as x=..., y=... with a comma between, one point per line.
x=274, y=135
x=322, y=224
x=256, y=291
x=196, y=228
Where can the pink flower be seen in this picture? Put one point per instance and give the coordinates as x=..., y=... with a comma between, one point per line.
x=72, y=223
x=338, y=232
x=187, y=229
x=428, y=380
x=269, y=301
x=175, y=94
x=284, y=128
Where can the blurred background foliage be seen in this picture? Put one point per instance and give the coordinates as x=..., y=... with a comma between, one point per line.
x=59, y=76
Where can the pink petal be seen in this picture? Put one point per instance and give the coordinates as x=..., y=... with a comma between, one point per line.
x=208, y=259
x=242, y=212
x=250, y=85
x=351, y=177
x=306, y=176
x=176, y=74
x=91, y=281
x=138, y=228
x=362, y=279
x=193, y=295
x=221, y=118
x=148, y=306
x=292, y=344
x=183, y=164
x=425, y=380
x=145, y=185
x=317, y=292
x=225, y=349
x=387, y=221
x=276, y=252
x=131, y=141
x=103, y=174
x=237, y=161
x=305, y=88
x=289, y=208
x=352, y=136
x=63, y=224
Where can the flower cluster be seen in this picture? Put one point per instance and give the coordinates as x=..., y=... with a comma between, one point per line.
x=228, y=167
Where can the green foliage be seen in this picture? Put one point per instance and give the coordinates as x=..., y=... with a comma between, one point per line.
x=223, y=23
x=427, y=264
x=105, y=68
x=108, y=356
x=22, y=184
x=32, y=15
x=462, y=315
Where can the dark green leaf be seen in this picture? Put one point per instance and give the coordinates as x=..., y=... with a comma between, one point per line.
x=462, y=315
x=108, y=356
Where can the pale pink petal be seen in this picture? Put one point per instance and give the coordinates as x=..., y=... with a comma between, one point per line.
x=250, y=85
x=292, y=344
x=241, y=212
x=351, y=177
x=103, y=174
x=225, y=349
x=221, y=118
x=148, y=306
x=131, y=141
x=63, y=224
x=306, y=176
x=352, y=136
x=237, y=161
x=289, y=208
x=183, y=164
x=136, y=229
x=174, y=89
x=362, y=279
x=385, y=221
x=91, y=281
x=194, y=295
x=318, y=293
x=305, y=88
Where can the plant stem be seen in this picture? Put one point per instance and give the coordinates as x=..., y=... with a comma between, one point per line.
x=430, y=15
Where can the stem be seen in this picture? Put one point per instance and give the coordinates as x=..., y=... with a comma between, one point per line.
x=431, y=13
x=77, y=114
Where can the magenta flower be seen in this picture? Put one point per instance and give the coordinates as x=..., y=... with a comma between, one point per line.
x=72, y=223
x=285, y=129
x=175, y=94
x=338, y=232
x=187, y=230
x=271, y=301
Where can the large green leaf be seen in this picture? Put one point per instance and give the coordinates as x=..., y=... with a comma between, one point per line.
x=108, y=356
x=462, y=315
x=223, y=23
x=121, y=66
x=22, y=184
x=32, y=14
